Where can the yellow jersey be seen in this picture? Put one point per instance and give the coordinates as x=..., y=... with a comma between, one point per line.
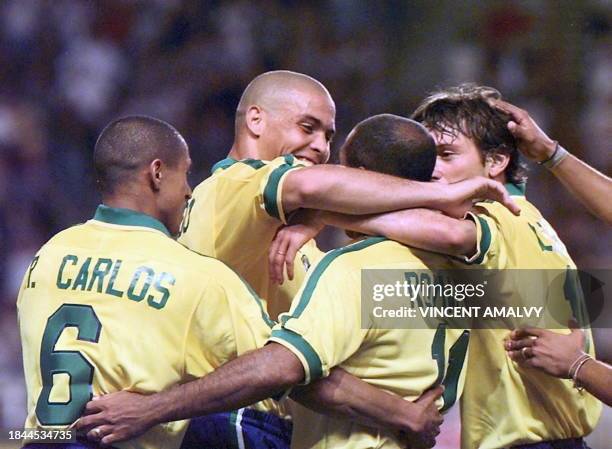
x=116, y=304
x=324, y=329
x=503, y=404
x=234, y=214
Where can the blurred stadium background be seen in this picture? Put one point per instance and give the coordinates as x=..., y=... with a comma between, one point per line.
x=69, y=66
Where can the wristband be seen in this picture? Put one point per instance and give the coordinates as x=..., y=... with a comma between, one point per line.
x=558, y=155
x=577, y=385
x=570, y=373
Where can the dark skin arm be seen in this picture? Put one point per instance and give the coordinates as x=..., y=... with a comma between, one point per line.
x=589, y=186
x=555, y=353
x=356, y=192
x=420, y=228
x=243, y=381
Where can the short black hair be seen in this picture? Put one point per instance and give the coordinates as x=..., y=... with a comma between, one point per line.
x=393, y=145
x=129, y=143
x=465, y=109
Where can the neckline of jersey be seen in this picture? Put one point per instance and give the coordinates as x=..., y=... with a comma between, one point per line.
x=229, y=161
x=515, y=189
x=128, y=217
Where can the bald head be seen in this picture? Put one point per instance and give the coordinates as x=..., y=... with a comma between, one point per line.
x=393, y=145
x=273, y=90
x=130, y=143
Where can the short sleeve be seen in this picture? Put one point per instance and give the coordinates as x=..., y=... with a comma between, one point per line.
x=490, y=242
x=323, y=327
x=228, y=321
x=271, y=187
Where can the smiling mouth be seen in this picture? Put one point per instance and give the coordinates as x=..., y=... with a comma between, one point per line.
x=307, y=160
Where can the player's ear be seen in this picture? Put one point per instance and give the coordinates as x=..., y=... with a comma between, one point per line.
x=254, y=120
x=155, y=173
x=496, y=163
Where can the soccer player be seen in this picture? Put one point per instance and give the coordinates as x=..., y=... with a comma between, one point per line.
x=516, y=407
x=284, y=124
x=323, y=330
x=115, y=303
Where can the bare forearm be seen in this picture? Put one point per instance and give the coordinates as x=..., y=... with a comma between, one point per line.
x=420, y=228
x=344, y=396
x=353, y=191
x=596, y=377
x=590, y=187
x=250, y=378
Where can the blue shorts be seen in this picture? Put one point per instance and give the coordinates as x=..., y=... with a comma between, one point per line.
x=572, y=443
x=242, y=429
x=77, y=445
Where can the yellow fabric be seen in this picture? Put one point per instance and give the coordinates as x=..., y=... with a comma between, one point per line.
x=234, y=215
x=503, y=404
x=323, y=329
x=145, y=344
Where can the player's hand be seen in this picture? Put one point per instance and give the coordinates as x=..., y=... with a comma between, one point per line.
x=549, y=351
x=461, y=196
x=116, y=417
x=426, y=422
x=289, y=240
x=530, y=139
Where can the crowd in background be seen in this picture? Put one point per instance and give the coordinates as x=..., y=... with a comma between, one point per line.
x=67, y=67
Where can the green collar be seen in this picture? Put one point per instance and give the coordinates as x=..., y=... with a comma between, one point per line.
x=225, y=163
x=128, y=217
x=254, y=163
x=515, y=189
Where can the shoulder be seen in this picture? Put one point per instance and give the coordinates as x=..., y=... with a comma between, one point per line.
x=344, y=260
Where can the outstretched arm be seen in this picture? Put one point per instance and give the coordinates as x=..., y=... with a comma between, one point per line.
x=588, y=185
x=357, y=192
x=248, y=379
x=420, y=228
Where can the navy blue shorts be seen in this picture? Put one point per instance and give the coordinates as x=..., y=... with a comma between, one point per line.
x=77, y=445
x=572, y=443
x=242, y=429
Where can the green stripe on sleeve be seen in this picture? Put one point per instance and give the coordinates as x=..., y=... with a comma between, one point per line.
x=270, y=194
x=296, y=341
x=485, y=240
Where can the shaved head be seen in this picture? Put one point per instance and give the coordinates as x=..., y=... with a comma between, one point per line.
x=273, y=90
x=393, y=145
x=130, y=143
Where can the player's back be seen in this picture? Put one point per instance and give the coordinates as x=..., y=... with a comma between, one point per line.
x=116, y=304
x=521, y=405
x=406, y=361
x=234, y=214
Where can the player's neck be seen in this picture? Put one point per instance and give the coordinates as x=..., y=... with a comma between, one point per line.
x=132, y=203
x=244, y=148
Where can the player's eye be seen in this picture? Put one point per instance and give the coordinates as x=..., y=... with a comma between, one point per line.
x=307, y=128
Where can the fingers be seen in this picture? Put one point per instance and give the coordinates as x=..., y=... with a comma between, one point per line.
x=86, y=423
x=292, y=250
x=431, y=395
x=517, y=113
x=99, y=432
x=276, y=256
x=510, y=204
x=524, y=332
x=517, y=345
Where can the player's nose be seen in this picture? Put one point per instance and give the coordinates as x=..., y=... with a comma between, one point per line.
x=320, y=145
